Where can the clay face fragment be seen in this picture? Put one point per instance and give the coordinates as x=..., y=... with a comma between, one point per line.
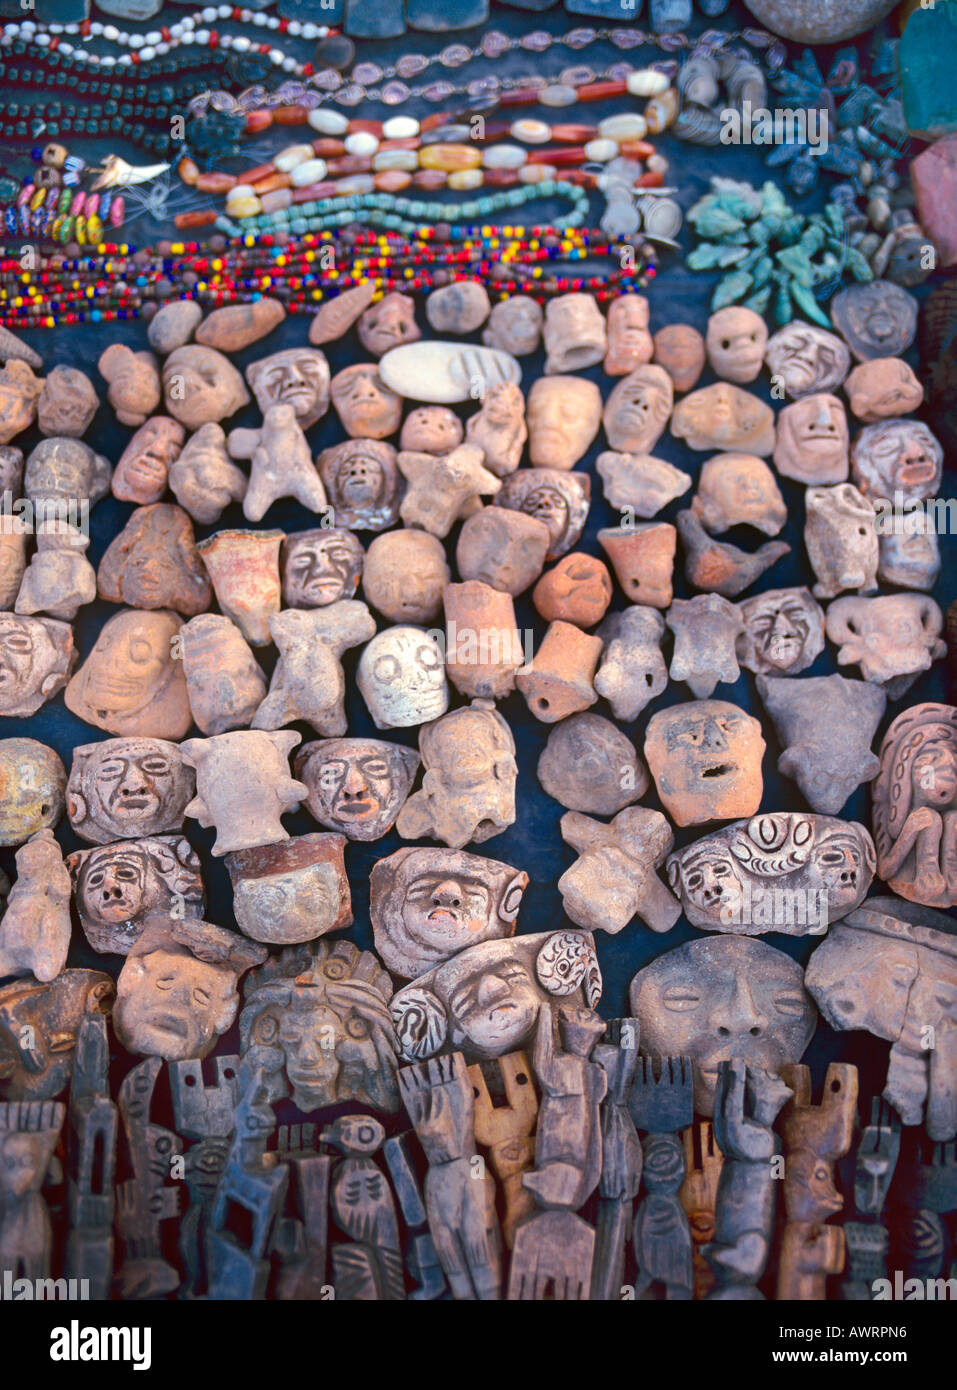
x=38, y=1030
x=143, y=469
x=442, y=488
x=638, y=409
x=35, y=929
x=502, y=548
x=892, y=638
x=589, y=765
x=308, y=682
x=134, y=383
x=914, y=799
x=131, y=683
x=298, y=377
x=614, y=880
x=118, y=886
x=632, y=670
x=281, y=463
x=483, y=648
x=841, y=540
x=201, y=386
x=718, y=998
x=515, y=326
x=36, y=658
x=725, y=417
x=122, y=788
x=431, y=429
x=13, y=563
x=783, y=632
x=898, y=460
x=244, y=568
x=65, y=470
x=825, y=724
x=785, y=871
x=224, y=683
x=812, y=440
x=59, y=579
x=499, y=428
x=563, y=415
x=356, y=786
x=459, y=1004
x=629, y=341
x=366, y=406
x=316, y=1020
x=461, y=307
x=292, y=892
x=559, y=499
x=404, y=575
x=32, y=789
x=19, y=393
x=909, y=552
x=577, y=590
x=806, y=359
x=883, y=388
x=258, y=762
x=320, y=566
x=738, y=490
x=574, y=334
x=203, y=478
x=643, y=558
x=178, y=989
x=877, y=319
x=640, y=482
x=468, y=784
x=558, y=680
x=680, y=349
x=67, y=402
x=706, y=630
x=429, y=904
x=889, y=968
x=154, y=563
x=388, y=324
x=363, y=483
x=705, y=757
x=401, y=677
x=735, y=342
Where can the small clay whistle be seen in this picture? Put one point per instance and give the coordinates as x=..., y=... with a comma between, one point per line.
x=244, y=568
x=632, y=670
x=559, y=679
x=718, y=567
x=707, y=628
x=255, y=761
x=841, y=539
x=643, y=557
x=577, y=590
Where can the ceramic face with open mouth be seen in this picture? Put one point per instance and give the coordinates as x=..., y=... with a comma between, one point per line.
x=705, y=757
x=356, y=785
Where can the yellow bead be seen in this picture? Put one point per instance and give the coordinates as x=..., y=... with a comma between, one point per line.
x=464, y=180
x=450, y=158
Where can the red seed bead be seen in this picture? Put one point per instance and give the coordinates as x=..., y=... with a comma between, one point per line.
x=367, y=127
x=655, y=179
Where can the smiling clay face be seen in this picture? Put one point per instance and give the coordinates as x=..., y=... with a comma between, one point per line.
x=812, y=440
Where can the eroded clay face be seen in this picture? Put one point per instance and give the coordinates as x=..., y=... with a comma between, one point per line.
x=736, y=490
x=841, y=539
x=364, y=404
x=468, y=791
x=201, y=386
x=117, y=887
x=13, y=562
x=735, y=341
x=503, y=549
x=897, y=457
x=66, y=469
x=130, y=683
x=154, y=563
x=36, y=657
x=680, y=349
x=883, y=388
x=143, y=469
x=298, y=377
x=32, y=789
x=356, y=786
x=629, y=341
x=203, y=478
x=223, y=680
x=515, y=326
x=431, y=429
x=67, y=403
x=563, y=415
x=499, y=428
x=388, y=324
x=718, y=998
x=401, y=675
x=705, y=757
x=405, y=573
x=878, y=319
x=577, y=590
x=637, y=410
x=589, y=765
x=807, y=359
x=783, y=631
x=320, y=567
x=123, y=788
x=363, y=483
x=812, y=440
x=725, y=417
x=557, y=498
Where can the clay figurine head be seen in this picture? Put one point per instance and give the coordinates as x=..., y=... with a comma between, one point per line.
x=428, y=904
x=154, y=563
x=563, y=415
x=388, y=324
x=224, y=682
x=461, y=307
x=13, y=563
x=574, y=334
x=320, y=567
x=431, y=429
x=680, y=349
x=291, y=892
x=67, y=403
x=503, y=549
x=19, y=392
x=32, y=789
x=557, y=498
x=735, y=341
x=629, y=341
x=486, y=1000
x=706, y=629
x=877, y=319
x=143, y=469
x=123, y=788
x=244, y=568
x=38, y=1030
x=738, y=490
x=806, y=359
x=405, y=573
x=812, y=440
x=882, y=388
x=632, y=670
x=468, y=786
x=640, y=482
x=705, y=757
x=724, y=417
x=356, y=786
x=514, y=326
x=298, y=377
x=588, y=764
x=841, y=539
x=499, y=428
x=365, y=405
x=178, y=990
x=637, y=410
x=201, y=386
x=134, y=383
x=131, y=683
x=401, y=676
x=783, y=631
x=118, y=886
x=909, y=552
x=719, y=998
x=363, y=483
x=577, y=590
x=244, y=786
x=36, y=658
x=203, y=478
x=914, y=797
x=898, y=460
x=892, y=637
x=66, y=470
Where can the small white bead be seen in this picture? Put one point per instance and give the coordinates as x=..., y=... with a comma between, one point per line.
x=96, y=29
x=259, y=19
x=224, y=11
x=226, y=40
x=43, y=40
x=400, y=128
x=326, y=121
x=161, y=49
x=294, y=29
x=202, y=37
x=362, y=142
x=176, y=30
x=240, y=43
x=189, y=38
x=137, y=41
x=71, y=28
x=66, y=49
x=276, y=57
x=55, y=28
x=209, y=15
x=153, y=37
x=111, y=33
x=189, y=23
x=126, y=61
x=80, y=55
x=310, y=31
x=147, y=53
x=289, y=65
x=272, y=21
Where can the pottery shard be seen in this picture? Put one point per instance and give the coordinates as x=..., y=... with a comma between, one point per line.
x=336, y=316
x=718, y=567
x=640, y=482
x=461, y=307
x=154, y=563
x=589, y=765
x=483, y=648
x=131, y=683
x=12, y=349
x=680, y=349
x=173, y=325
x=237, y=325
x=224, y=682
x=291, y=892
x=615, y=877
x=559, y=679
x=643, y=559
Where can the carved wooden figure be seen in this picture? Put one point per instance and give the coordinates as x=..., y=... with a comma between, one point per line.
x=301, y=1239
x=148, y=1198
x=206, y=1113
x=815, y=1137
x=421, y=1260
x=38, y=1028
x=617, y=1055
x=866, y=1238
x=698, y=1196
x=507, y=1130
x=460, y=1205
x=91, y=1147
x=369, y=1267
x=662, y=1105
x=29, y=1131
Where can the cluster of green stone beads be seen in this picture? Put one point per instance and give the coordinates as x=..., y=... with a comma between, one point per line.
x=406, y=215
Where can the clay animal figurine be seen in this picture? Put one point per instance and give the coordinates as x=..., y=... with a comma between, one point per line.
x=259, y=762
x=893, y=637
x=308, y=682
x=718, y=567
x=615, y=878
x=282, y=464
x=35, y=928
x=705, y=757
x=443, y=488
x=357, y=786
x=915, y=805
